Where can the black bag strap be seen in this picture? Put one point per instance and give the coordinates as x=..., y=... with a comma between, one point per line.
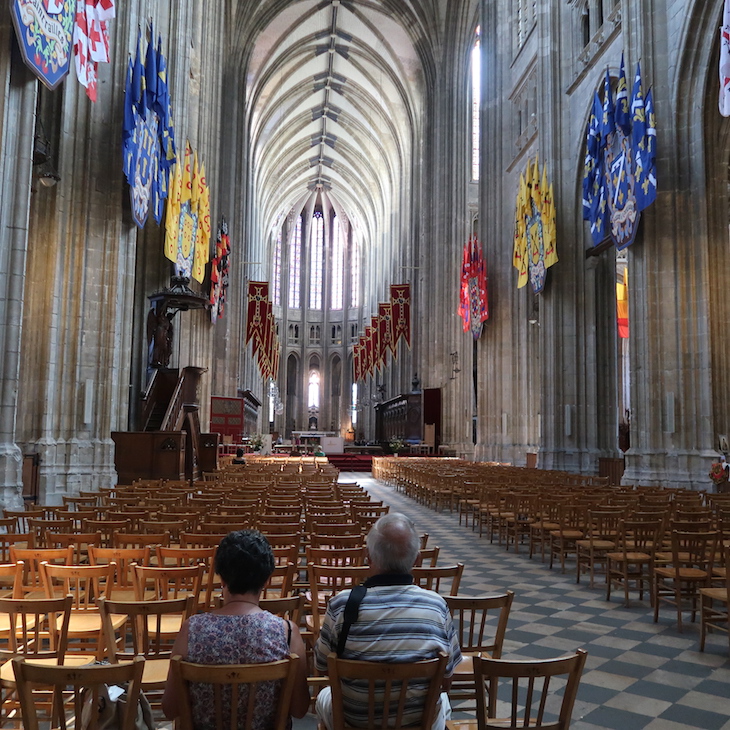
x=352, y=607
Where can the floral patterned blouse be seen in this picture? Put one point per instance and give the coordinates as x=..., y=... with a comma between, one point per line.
x=249, y=639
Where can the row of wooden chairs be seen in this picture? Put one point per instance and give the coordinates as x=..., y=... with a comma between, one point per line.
x=525, y=686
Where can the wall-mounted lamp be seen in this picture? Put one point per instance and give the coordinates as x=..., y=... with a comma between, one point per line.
x=43, y=169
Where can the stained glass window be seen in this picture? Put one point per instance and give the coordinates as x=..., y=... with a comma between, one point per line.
x=338, y=265
x=316, y=261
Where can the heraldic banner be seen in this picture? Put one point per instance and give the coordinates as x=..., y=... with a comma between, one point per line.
x=45, y=31
x=148, y=136
x=219, y=273
x=187, y=218
x=619, y=175
x=534, y=250
x=473, y=307
x=261, y=328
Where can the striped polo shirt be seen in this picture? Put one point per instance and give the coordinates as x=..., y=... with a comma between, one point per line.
x=397, y=622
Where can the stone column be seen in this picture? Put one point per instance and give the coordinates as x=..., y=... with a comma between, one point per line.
x=17, y=109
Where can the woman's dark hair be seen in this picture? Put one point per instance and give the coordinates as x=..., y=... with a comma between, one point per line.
x=244, y=561
x=239, y=452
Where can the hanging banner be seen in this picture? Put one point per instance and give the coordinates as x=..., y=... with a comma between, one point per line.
x=619, y=179
x=45, y=35
x=148, y=143
x=385, y=328
x=535, y=230
x=400, y=300
x=258, y=297
x=219, y=273
x=473, y=307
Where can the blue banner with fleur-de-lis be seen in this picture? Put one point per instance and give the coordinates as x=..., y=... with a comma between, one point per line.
x=619, y=179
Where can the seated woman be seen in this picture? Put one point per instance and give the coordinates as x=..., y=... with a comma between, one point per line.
x=239, y=632
x=239, y=458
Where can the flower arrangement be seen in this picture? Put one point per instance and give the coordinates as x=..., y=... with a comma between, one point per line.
x=256, y=442
x=396, y=445
x=718, y=473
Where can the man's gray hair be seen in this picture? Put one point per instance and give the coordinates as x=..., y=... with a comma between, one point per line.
x=393, y=543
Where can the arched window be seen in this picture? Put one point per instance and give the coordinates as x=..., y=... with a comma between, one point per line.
x=336, y=334
x=338, y=265
x=276, y=273
x=476, y=95
x=313, y=393
x=316, y=265
x=295, y=266
x=355, y=274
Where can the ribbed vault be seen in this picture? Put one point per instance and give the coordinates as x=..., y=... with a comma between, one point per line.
x=334, y=94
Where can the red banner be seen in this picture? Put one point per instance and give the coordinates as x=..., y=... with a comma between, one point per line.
x=400, y=300
x=258, y=297
x=385, y=328
x=356, y=369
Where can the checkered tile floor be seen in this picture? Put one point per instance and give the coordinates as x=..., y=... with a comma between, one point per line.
x=638, y=674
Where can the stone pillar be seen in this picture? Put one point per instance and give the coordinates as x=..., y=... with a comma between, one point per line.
x=18, y=110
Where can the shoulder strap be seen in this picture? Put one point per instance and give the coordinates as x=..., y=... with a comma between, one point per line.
x=352, y=608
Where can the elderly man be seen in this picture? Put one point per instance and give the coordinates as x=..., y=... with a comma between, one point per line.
x=396, y=621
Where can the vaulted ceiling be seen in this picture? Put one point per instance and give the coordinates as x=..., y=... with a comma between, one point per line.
x=335, y=94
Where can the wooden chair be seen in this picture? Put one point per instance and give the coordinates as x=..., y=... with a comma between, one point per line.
x=714, y=604
x=445, y=579
x=470, y=615
x=79, y=541
x=335, y=542
x=163, y=584
x=137, y=540
x=145, y=632
x=691, y=569
x=336, y=556
x=174, y=556
x=23, y=515
x=32, y=583
x=289, y=607
x=42, y=526
x=201, y=539
x=548, y=520
x=389, y=685
x=601, y=534
x=40, y=633
x=280, y=581
x=234, y=691
x=158, y=527
x=324, y=582
x=22, y=540
x=87, y=584
x=11, y=579
x=571, y=521
x=8, y=524
x=124, y=559
x=87, y=683
x=633, y=560
x=107, y=528
x=526, y=693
